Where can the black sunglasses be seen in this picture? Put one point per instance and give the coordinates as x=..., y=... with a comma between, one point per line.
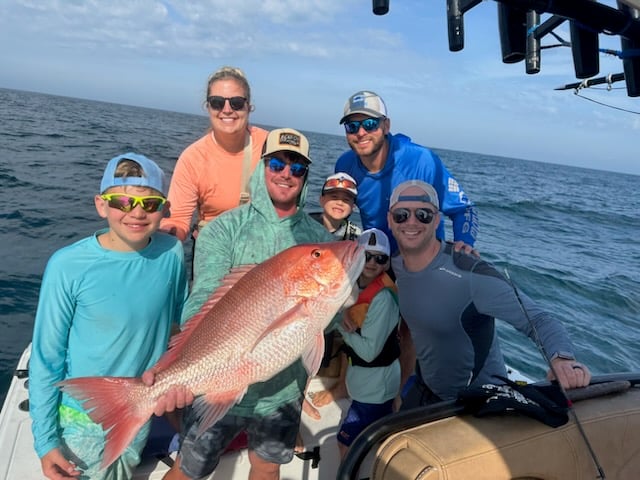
x=380, y=258
x=424, y=215
x=216, y=102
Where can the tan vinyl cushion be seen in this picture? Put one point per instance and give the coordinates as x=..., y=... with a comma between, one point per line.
x=512, y=446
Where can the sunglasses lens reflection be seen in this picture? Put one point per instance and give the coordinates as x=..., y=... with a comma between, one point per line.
x=423, y=215
x=126, y=203
x=401, y=215
x=297, y=169
x=369, y=125
x=339, y=183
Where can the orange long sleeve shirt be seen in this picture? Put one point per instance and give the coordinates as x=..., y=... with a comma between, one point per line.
x=207, y=180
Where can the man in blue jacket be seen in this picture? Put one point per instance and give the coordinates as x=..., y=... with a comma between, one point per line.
x=379, y=161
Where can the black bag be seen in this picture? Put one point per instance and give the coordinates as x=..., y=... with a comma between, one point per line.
x=544, y=403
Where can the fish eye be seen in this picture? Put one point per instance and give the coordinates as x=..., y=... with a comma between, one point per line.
x=316, y=253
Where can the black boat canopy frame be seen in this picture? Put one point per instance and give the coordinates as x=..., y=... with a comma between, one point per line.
x=521, y=30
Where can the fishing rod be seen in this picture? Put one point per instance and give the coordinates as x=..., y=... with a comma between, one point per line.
x=572, y=410
x=609, y=79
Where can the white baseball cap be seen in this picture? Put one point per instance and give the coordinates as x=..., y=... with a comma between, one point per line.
x=430, y=195
x=374, y=240
x=340, y=181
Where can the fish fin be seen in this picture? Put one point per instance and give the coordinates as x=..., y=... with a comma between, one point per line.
x=291, y=315
x=109, y=401
x=213, y=406
x=312, y=355
x=178, y=341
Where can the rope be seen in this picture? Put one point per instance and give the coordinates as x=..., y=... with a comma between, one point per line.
x=572, y=410
x=577, y=93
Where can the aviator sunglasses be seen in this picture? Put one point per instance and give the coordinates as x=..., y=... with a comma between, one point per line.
x=216, y=102
x=369, y=125
x=126, y=203
x=380, y=258
x=401, y=215
x=276, y=165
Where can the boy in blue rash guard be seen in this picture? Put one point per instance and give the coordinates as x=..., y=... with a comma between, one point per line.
x=379, y=161
x=107, y=305
x=450, y=300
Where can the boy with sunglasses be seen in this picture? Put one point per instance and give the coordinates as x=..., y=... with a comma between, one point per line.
x=380, y=160
x=450, y=300
x=370, y=333
x=107, y=305
x=337, y=199
x=272, y=221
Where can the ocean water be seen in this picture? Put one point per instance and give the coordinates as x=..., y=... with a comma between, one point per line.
x=566, y=236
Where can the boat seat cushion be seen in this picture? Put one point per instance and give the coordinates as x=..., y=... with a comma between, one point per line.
x=513, y=446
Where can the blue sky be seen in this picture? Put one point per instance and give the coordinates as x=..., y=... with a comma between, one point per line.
x=304, y=58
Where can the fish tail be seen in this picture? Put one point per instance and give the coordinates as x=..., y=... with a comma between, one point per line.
x=110, y=401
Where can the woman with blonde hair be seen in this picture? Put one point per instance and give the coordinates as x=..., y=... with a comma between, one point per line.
x=212, y=174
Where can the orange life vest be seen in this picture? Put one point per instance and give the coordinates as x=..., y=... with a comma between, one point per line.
x=358, y=312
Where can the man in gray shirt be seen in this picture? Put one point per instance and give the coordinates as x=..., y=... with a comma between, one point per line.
x=450, y=300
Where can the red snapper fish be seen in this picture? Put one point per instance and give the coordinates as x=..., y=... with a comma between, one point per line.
x=258, y=322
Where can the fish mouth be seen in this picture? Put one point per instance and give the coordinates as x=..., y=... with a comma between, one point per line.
x=355, y=259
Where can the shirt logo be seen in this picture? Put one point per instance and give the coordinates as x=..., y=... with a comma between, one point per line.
x=446, y=270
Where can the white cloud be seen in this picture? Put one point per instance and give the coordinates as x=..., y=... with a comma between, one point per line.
x=305, y=57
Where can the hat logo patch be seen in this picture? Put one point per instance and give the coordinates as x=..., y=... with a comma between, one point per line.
x=372, y=240
x=290, y=139
x=358, y=101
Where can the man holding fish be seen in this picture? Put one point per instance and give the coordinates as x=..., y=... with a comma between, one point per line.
x=269, y=410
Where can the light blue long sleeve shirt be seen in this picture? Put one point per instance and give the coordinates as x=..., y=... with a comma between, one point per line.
x=100, y=312
x=374, y=384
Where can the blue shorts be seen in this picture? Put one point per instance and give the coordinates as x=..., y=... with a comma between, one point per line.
x=272, y=438
x=360, y=416
x=83, y=442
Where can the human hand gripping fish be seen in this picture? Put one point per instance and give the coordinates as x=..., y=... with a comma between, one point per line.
x=290, y=298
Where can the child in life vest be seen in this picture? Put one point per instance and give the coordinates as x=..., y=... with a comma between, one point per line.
x=370, y=332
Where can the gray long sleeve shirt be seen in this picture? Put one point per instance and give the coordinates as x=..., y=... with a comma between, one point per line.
x=450, y=308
